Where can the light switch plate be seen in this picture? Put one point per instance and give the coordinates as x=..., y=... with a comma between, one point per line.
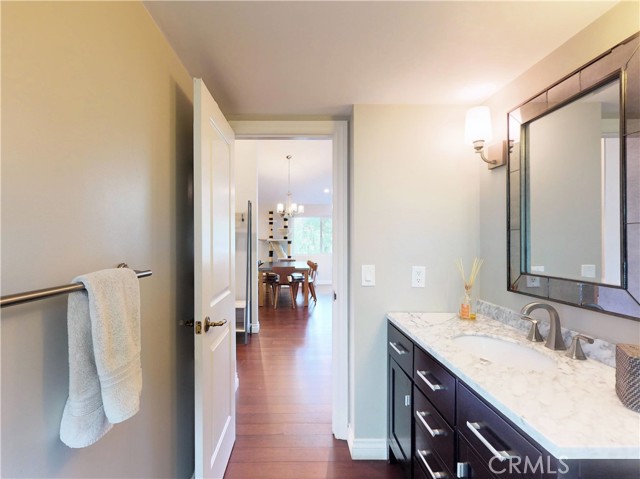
x=368, y=275
x=588, y=270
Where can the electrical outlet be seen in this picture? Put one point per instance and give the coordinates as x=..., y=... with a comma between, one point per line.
x=533, y=282
x=418, y=276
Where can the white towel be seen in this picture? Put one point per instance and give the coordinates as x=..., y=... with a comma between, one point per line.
x=105, y=373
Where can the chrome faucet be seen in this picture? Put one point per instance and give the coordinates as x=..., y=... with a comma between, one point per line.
x=554, y=339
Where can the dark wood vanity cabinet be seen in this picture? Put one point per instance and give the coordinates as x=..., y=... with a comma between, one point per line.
x=440, y=429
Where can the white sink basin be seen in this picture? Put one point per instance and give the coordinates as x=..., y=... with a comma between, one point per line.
x=501, y=351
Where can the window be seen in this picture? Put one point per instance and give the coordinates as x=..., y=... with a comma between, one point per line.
x=312, y=235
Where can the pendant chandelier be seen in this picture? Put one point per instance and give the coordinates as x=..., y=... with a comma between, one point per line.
x=289, y=209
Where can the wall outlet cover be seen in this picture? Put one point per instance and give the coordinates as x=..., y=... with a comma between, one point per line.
x=533, y=282
x=418, y=276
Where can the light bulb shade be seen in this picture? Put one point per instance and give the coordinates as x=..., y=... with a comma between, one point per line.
x=477, y=125
x=293, y=208
x=280, y=208
x=301, y=209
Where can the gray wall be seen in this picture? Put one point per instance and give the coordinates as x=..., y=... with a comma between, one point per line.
x=96, y=162
x=616, y=25
x=414, y=189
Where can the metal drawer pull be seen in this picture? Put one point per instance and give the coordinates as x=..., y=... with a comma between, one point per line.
x=434, y=387
x=500, y=455
x=423, y=457
x=434, y=432
x=399, y=351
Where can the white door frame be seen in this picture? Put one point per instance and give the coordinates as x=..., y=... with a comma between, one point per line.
x=338, y=132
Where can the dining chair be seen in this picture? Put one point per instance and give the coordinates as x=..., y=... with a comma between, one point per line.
x=271, y=282
x=313, y=272
x=288, y=279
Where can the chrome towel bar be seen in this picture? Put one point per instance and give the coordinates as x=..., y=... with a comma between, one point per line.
x=18, y=298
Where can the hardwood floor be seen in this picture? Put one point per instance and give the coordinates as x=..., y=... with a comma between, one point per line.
x=284, y=401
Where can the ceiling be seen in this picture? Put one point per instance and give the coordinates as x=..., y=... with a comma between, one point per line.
x=318, y=58
x=290, y=59
x=311, y=171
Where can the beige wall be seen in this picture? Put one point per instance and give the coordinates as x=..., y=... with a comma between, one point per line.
x=96, y=157
x=616, y=25
x=413, y=202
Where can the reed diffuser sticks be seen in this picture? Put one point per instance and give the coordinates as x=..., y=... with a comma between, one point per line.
x=467, y=305
x=475, y=269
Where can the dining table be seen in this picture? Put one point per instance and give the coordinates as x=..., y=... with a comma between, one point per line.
x=298, y=267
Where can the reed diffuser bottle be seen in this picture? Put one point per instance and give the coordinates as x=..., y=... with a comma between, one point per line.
x=468, y=301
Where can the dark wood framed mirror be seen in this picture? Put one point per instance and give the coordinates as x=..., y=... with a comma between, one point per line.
x=573, y=188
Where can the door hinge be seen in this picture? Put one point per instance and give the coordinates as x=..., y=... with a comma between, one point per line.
x=335, y=296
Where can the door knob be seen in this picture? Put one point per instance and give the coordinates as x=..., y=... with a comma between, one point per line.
x=212, y=324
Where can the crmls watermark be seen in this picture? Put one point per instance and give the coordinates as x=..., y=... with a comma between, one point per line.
x=518, y=465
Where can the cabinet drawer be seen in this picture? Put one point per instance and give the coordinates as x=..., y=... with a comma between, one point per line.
x=430, y=463
x=496, y=442
x=418, y=472
x=400, y=348
x=470, y=465
x=436, y=383
x=437, y=434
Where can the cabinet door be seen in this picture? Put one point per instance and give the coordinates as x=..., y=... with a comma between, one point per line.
x=400, y=419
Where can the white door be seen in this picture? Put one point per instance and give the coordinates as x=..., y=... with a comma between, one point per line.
x=214, y=270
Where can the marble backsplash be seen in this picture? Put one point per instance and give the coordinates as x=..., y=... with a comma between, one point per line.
x=600, y=350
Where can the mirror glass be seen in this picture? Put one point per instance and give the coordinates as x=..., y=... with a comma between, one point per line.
x=573, y=192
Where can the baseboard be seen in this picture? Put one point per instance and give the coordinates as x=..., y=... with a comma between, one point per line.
x=367, y=449
x=255, y=328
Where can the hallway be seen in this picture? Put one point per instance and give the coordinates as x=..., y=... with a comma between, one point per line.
x=284, y=402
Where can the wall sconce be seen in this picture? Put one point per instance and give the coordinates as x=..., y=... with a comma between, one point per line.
x=477, y=131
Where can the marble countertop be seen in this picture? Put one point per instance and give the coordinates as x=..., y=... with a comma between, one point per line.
x=572, y=411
